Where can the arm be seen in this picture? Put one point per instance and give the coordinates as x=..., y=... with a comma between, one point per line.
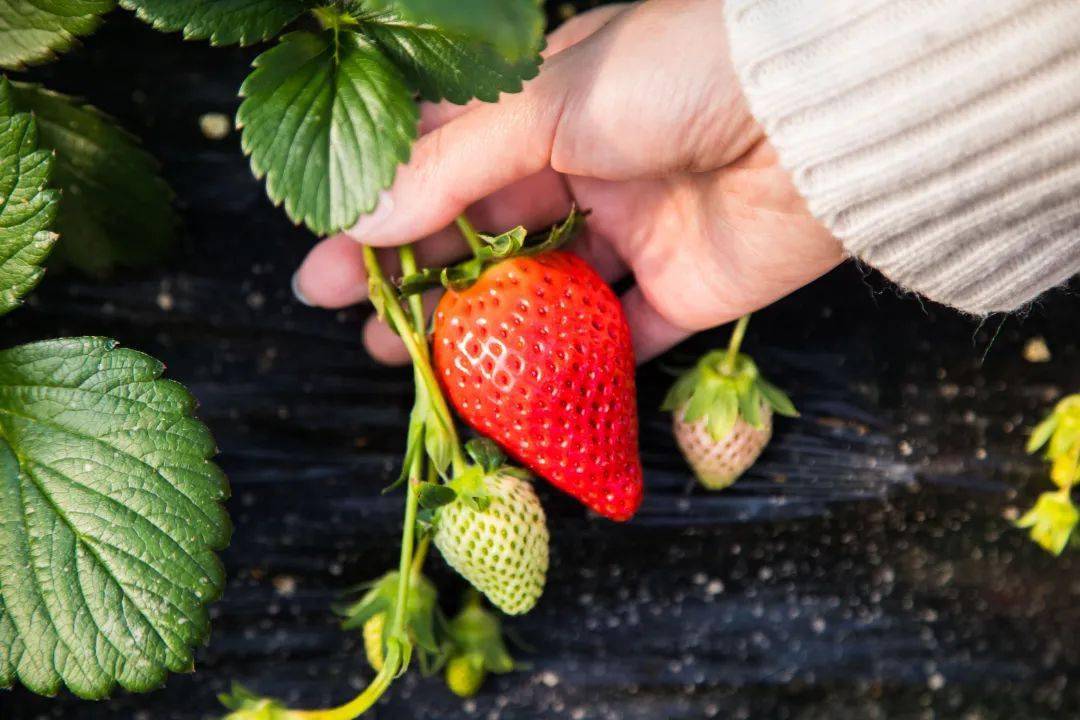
x=939, y=141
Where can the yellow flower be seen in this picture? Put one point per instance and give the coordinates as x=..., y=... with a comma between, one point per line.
x=1051, y=521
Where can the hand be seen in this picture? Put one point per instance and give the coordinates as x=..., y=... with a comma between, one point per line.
x=637, y=116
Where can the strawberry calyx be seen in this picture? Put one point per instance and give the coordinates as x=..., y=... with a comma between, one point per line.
x=246, y=705
x=379, y=602
x=477, y=648
x=723, y=386
x=490, y=250
x=1051, y=521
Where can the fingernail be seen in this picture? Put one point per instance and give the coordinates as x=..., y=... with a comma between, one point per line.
x=297, y=292
x=369, y=224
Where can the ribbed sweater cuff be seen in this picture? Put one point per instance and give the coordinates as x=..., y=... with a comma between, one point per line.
x=938, y=139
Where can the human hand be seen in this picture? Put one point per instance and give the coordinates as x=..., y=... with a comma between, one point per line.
x=637, y=116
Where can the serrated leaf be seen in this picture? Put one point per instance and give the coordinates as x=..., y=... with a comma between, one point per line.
x=514, y=27
x=110, y=512
x=27, y=207
x=33, y=31
x=222, y=22
x=327, y=123
x=115, y=209
x=441, y=65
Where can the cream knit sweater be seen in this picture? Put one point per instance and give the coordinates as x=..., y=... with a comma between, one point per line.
x=938, y=139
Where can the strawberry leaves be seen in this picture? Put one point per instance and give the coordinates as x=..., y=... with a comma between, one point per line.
x=27, y=208
x=34, y=31
x=115, y=209
x=110, y=513
x=326, y=119
x=442, y=65
x=222, y=22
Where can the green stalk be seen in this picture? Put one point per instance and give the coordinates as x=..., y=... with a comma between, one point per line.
x=735, y=343
x=416, y=346
x=469, y=233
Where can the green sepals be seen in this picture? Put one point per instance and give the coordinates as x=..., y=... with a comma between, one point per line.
x=471, y=489
x=438, y=442
x=433, y=495
x=381, y=597
x=222, y=22
x=34, y=31
x=485, y=453
x=246, y=705
x=1059, y=435
x=720, y=394
x=496, y=248
x=476, y=648
x=27, y=206
x=115, y=209
x=1051, y=521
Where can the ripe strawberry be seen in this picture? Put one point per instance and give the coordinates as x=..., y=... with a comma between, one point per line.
x=722, y=416
x=536, y=354
x=501, y=549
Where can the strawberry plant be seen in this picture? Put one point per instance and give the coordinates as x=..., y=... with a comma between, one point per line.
x=110, y=507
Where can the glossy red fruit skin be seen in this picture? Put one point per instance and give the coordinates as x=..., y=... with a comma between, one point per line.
x=537, y=356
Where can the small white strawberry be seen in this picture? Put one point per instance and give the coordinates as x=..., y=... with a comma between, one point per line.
x=494, y=533
x=722, y=412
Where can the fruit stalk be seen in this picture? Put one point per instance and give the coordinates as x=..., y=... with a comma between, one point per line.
x=735, y=343
x=469, y=233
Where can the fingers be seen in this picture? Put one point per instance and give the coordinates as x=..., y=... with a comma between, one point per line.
x=471, y=157
x=652, y=334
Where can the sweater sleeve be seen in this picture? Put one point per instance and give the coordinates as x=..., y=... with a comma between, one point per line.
x=938, y=139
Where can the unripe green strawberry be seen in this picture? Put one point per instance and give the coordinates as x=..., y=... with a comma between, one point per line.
x=372, y=612
x=502, y=549
x=477, y=648
x=373, y=640
x=722, y=412
x=464, y=675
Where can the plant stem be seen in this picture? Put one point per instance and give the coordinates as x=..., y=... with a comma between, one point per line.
x=735, y=343
x=421, y=554
x=417, y=349
x=469, y=233
x=392, y=663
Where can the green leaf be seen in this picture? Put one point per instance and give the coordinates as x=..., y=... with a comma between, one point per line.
x=327, y=123
x=33, y=31
x=485, y=453
x=222, y=22
x=27, y=208
x=115, y=209
x=441, y=65
x=514, y=27
x=110, y=512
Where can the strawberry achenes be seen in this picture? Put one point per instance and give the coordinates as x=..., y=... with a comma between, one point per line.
x=536, y=354
x=503, y=549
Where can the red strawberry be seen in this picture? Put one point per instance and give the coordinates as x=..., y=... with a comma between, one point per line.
x=536, y=354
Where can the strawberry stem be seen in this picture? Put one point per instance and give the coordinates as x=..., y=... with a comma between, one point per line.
x=416, y=345
x=469, y=233
x=735, y=343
